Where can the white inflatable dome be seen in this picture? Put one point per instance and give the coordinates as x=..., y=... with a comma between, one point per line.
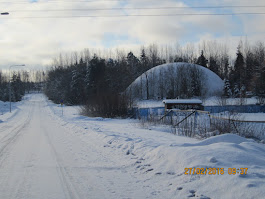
x=176, y=80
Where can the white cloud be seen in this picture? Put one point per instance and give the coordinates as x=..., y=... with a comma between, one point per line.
x=37, y=41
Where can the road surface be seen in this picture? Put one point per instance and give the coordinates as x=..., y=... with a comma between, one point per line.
x=39, y=158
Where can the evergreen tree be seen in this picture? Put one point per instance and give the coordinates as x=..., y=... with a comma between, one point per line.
x=239, y=68
x=96, y=75
x=133, y=64
x=226, y=68
x=202, y=60
x=236, y=91
x=213, y=66
x=227, y=89
x=144, y=61
x=77, y=86
x=251, y=63
x=17, y=87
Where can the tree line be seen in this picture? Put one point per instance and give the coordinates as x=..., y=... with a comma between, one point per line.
x=20, y=82
x=80, y=78
x=91, y=75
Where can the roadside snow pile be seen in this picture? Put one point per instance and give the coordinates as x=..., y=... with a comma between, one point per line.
x=4, y=107
x=158, y=160
x=5, y=114
x=228, y=138
x=224, y=151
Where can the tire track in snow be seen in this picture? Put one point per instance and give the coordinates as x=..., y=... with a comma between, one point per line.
x=23, y=186
x=13, y=134
x=111, y=185
x=70, y=189
x=9, y=140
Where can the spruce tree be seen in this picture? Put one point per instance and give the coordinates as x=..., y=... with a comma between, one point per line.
x=144, y=61
x=227, y=88
x=239, y=69
x=202, y=60
x=213, y=66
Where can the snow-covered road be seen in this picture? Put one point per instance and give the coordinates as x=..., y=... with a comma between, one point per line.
x=44, y=154
x=39, y=159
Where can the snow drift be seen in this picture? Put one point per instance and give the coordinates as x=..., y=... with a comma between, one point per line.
x=176, y=80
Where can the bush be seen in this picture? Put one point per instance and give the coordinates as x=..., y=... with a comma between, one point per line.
x=106, y=105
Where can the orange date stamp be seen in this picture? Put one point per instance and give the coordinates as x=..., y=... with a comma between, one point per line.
x=215, y=171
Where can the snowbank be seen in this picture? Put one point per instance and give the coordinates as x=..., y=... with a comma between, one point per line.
x=226, y=138
x=5, y=114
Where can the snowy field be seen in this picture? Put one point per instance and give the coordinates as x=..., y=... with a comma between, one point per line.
x=47, y=151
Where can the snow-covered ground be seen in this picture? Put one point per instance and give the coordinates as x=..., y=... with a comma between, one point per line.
x=252, y=116
x=242, y=116
x=217, y=101
x=50, y=152
x=5, y=109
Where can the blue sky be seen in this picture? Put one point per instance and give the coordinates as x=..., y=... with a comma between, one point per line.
x=35, y=41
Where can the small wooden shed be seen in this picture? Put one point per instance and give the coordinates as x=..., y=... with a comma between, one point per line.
x=183, y=104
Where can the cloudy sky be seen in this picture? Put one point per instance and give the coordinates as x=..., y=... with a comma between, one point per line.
x=36, y=31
